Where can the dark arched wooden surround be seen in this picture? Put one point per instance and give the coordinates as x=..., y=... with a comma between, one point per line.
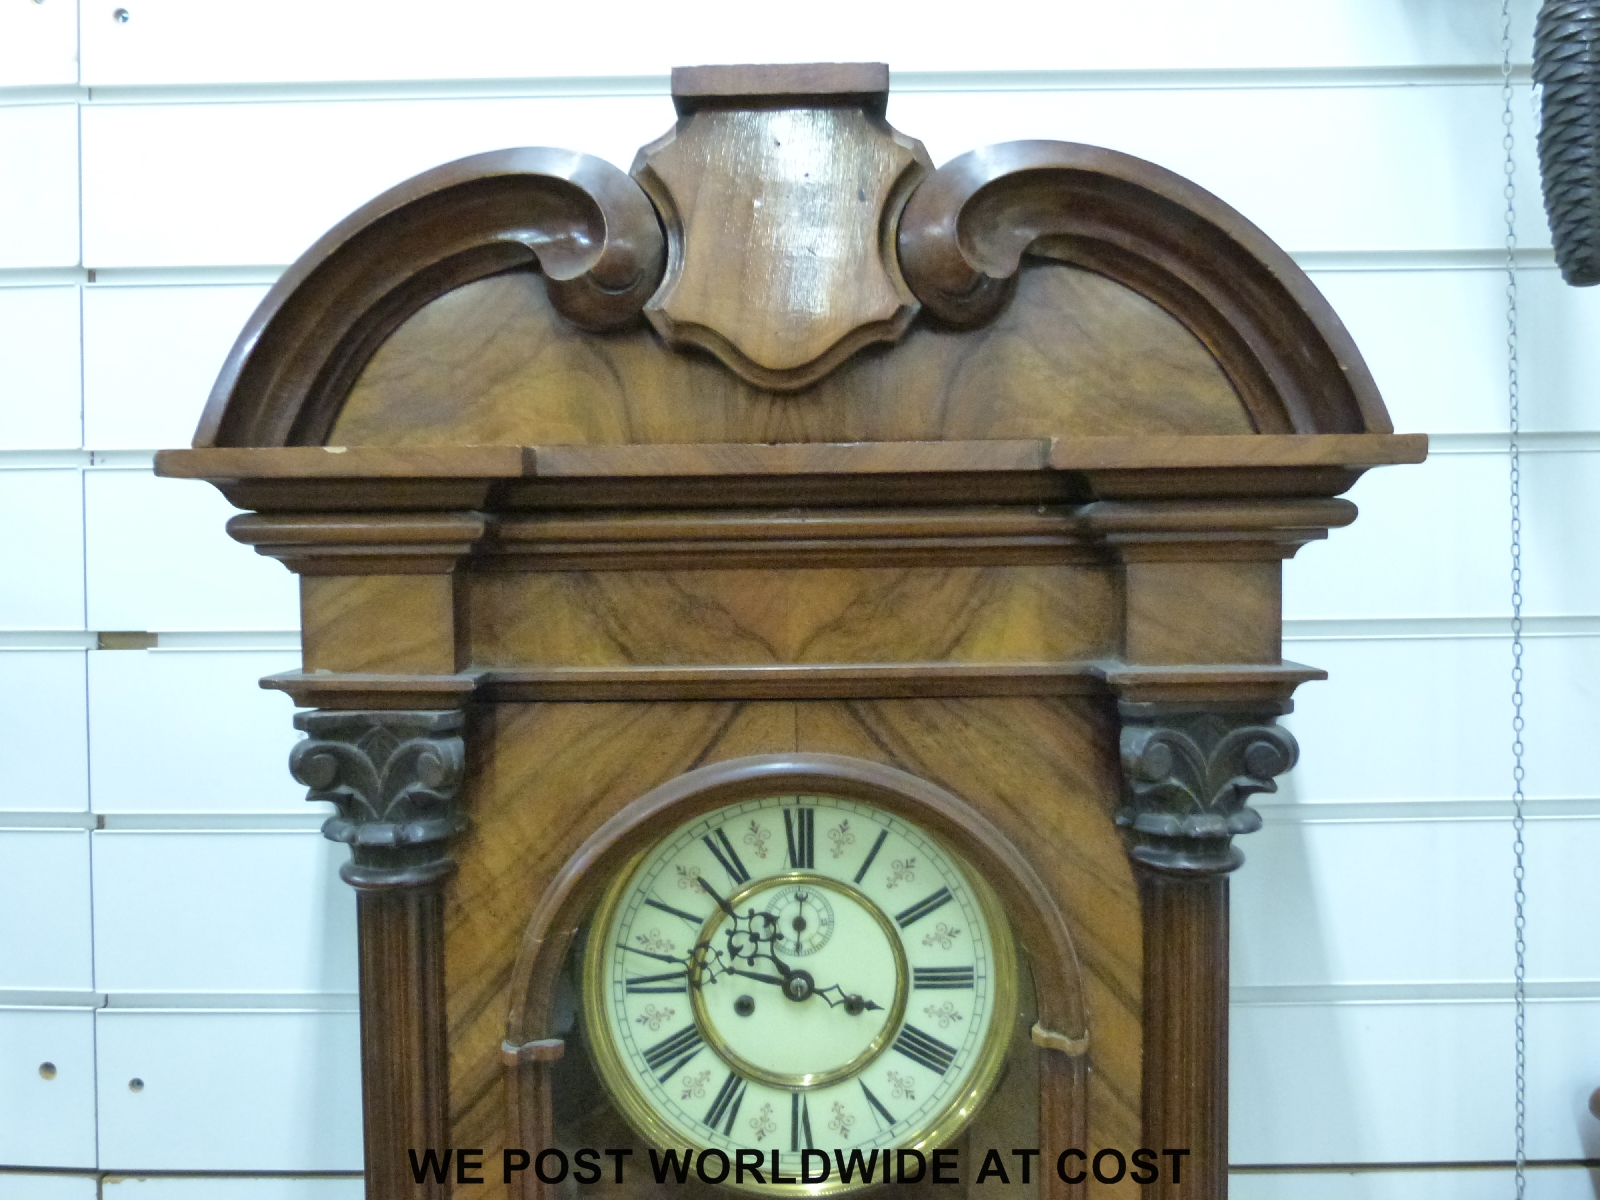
x=1043, y=939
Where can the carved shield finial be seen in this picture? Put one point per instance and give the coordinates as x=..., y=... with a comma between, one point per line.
x=781, y=188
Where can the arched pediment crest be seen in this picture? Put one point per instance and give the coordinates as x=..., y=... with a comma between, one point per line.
x=782, y=227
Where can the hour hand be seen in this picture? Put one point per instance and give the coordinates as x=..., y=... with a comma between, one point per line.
x=852, y=1002
x=758, y=976
x=716, y=896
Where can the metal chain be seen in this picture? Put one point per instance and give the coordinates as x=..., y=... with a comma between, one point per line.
x=1518, y=874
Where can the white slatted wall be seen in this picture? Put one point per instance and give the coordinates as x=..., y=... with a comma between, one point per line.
x=168, y=912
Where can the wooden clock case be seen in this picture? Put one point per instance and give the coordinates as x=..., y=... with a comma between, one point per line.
x=792, y=462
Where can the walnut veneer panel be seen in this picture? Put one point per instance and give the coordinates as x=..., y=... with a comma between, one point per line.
x=389, y=623
x=1074, y=353
x=1039, y=769
x=683, y=618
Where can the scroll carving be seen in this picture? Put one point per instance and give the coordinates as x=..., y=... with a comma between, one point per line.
x=1188, y=777
x=966, y=229
x=393, y=776
x=578, y=219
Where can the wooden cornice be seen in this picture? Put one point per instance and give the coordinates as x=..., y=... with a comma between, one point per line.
x=312, y=478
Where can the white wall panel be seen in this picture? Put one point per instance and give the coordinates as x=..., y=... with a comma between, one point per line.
x=40, y=366
x=275, y=177
x=1363, y=902
x=1318, y=168
x=224, y=1188
x=1416, y=719
x=42, y=700
x=1408, y=1082
x=1544, y=1183
x=1432, y=541
x=44, y=910
x=38, y=44
x=41, y=553
x=1561, y=858
x=1435, y=341
x=191, y=731
x=159, y=558
x=47, y=1122
x=191, y=41
x=255, y=1091
x=39, y=185
x=150, y=356
x=48, y=1187
x=222, y=912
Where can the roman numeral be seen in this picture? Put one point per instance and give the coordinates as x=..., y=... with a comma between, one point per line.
x=676, y=1050
x=724, y=1109
x=726, y=855
x=800, y=824
x=877, y=1105
x=925, y=1049
x=866, y=864
x=923, y=907
x=941, y=977
x=799, y=1123
x=668, y=981
x=676, y=912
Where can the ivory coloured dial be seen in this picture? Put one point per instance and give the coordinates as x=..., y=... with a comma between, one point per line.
x=798, y=972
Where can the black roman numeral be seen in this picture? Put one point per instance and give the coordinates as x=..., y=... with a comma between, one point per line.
x=676, y=912
x=656, y=985
x=799, y=1123
x=877, y=1105
x=866, y=864
x=726, y=855
x=941, y=977
x=724, y=1109
x=800, y=824
x=923, y=907
x=924, y=1048
x=676, y=1050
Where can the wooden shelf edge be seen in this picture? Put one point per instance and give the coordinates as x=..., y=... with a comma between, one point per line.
x=1154, y=453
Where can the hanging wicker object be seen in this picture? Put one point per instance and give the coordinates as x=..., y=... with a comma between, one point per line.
x=1566, y=60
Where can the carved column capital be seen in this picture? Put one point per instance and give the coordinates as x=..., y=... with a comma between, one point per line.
x=1187, y=774
x=394, y=777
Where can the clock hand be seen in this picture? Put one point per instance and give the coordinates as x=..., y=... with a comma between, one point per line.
x=716, y=896
x=853, y=1002
x=757, y=975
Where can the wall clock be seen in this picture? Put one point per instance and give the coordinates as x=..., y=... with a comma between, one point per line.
x=663, y=534
x=798, y=972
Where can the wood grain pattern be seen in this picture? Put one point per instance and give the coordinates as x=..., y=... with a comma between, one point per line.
x=966, y=230
x=780, y=220
x=584, y=224
x=550, y=773
x=404, y=1052
x=622, y=618
x=1241, y=603
x=1186, y=1015
x=1074, y=353
x=390, y=624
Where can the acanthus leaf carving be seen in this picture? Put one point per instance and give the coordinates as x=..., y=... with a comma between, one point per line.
x=394, y=778
x=1188, y=777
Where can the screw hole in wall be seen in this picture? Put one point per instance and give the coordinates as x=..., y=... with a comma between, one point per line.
x=136, y=1085
x=47, y=1070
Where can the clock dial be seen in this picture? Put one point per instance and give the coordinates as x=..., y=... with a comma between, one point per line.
x=798, y=972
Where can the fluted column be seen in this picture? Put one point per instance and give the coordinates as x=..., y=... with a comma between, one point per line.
x=1187, y=774
x=394, y=778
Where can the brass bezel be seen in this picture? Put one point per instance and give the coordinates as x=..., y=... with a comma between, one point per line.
x=946, y=1125
x=897, y=1009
